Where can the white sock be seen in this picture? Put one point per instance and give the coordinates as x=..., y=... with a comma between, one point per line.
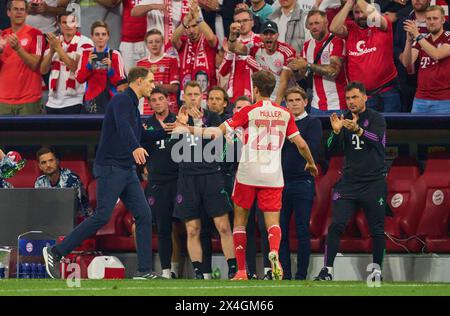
x=267, y=270
x=166, y=274
x=174, y=267
x=207, y=276
x=330, y=270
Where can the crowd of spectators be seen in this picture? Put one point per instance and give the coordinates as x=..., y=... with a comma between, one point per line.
x=70, y=57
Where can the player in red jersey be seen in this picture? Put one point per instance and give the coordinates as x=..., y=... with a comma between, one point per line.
x=163, y=67
x=433, y=52
x=259, y=173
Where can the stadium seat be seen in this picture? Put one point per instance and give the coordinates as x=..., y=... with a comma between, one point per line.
x=402, y=174
x=434, y=199
x=79, y=167
x=26, y=177
x=92, y=194
x=321, y=217
x=114, y=236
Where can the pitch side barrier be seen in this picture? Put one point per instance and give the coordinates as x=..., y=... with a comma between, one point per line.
x=93, y=122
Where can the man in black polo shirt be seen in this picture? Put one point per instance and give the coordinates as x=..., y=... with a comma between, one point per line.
x=200, y=182
x=362, y=135
x=115, y=172
x=161, y=190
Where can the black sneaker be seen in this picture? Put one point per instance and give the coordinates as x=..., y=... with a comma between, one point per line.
x=231, y=274
x=198, y=274
x=324, y=275
x=268, y=275
x=147, y=276
x=252, y=276
x=173, y=275
x=52, y=263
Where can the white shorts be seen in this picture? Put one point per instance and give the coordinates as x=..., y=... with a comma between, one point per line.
x=132, y=53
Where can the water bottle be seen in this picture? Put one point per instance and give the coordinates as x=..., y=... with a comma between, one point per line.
x=26, y=271
x=216, y=275
x=34, y=272
x=20, y=270
x=41, y=271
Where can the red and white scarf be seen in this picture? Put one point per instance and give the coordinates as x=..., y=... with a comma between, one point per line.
x=194, y=60
x=58, y=66
x=168, y=18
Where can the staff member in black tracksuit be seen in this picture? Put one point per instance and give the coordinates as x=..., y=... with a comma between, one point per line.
x=161, y=190
x=362, y=134
x=115, y=172
x=299, y=185
x=200, y=182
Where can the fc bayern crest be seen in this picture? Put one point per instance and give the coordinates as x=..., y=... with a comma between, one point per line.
x=278, y=63
x=326, y=57
x=24, y=41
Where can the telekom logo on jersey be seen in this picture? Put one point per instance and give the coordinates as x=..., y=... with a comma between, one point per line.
x=264, y=143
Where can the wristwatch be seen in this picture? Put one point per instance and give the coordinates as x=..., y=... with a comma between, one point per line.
x=419, y=37
x=309, y=68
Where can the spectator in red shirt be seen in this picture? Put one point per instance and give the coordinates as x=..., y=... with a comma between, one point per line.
x=369, y=53
x=163, y=66
x=102, y=69
x=132, y=46
x=21, y=48
x=237, y=66
x=197, y=50
x=270, y=54
x=433, y=52
x=408, y=77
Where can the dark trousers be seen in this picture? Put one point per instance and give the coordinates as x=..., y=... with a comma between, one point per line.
x=161, y=198
x=112, y=183
x=73, y=109
x=298, y=200
x=348, y=198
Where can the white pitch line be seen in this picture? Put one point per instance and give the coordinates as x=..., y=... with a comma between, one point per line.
x=211, y=287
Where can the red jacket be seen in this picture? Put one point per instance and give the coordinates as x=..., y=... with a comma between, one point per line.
x=96, y=78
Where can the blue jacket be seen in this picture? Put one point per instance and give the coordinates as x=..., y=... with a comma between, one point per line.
x=122, y=132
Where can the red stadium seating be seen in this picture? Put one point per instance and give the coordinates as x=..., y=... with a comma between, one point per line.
x=79, y=167
x=433, y=225
x=114, y=235
x=402, y=174
x=26, y=177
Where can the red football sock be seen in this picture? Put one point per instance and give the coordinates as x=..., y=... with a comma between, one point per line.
x=240, y=244
x=274, y=235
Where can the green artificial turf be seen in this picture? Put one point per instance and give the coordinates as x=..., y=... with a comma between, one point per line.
x=127, y=287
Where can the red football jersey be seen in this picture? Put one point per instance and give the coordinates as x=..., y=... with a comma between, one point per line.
x=27, y=85
x=165, y=71
x=133, y=27
x=433, y=81
x=369, y=55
